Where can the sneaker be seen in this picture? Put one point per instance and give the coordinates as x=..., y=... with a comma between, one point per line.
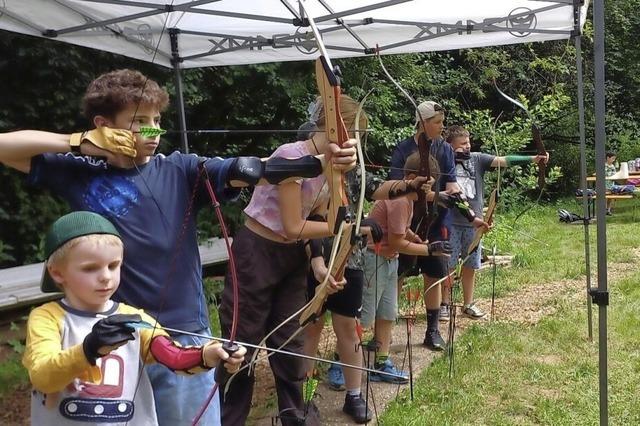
x=356, y=407
x=398, y=378
x=472, y=311
x=434, y=341
x=445, y=314
x=335, y=377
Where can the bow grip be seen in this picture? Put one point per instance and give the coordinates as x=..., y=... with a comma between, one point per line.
x=222, y=375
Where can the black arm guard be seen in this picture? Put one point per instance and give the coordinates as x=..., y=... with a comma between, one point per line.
x=315, y=246
x=278, y=169
x=400, y=189
x=246, y=169
x=439, y=248
x=372, y=183
x=274, y=170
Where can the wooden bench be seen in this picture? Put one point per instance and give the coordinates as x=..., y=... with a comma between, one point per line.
x=591, y=208
x=20, y=286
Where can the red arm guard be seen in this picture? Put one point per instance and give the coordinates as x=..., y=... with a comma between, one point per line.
x=174, y=357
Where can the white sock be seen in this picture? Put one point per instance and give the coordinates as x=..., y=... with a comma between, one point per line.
x=353, y=392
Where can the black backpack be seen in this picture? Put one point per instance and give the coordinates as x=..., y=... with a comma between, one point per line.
x=567, y=217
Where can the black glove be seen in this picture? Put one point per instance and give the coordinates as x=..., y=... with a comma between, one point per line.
x=439, y=248
x=112, y=331
x=245, y=169
x=450, y=201
x=446, y=200
x=376, y=230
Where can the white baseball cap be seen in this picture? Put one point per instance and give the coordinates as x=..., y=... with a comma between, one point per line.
x=427, y=110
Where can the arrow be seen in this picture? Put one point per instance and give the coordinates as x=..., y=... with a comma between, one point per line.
x=146, y=325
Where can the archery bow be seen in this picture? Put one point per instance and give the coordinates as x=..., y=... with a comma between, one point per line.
x=345, y=245
x=222, y=375
x=488, y=218
x=426, y=215
x=540, y=148
x=339, y=219
x=338, y=216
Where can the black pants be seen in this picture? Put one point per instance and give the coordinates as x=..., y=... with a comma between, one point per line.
x=272, y=286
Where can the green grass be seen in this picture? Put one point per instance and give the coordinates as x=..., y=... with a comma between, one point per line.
x=12, y=374
x=508, y=373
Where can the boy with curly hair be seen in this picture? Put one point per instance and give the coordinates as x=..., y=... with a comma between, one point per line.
x=153, y=201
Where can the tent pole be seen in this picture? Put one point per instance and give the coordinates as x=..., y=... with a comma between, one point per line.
x=600, y=295
x=173, y=35
x=583, y=182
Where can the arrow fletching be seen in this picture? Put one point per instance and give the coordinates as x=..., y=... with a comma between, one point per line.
x=151, y=132
x=309, y=389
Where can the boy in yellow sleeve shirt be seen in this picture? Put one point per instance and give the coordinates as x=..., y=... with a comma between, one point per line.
x=84, y=353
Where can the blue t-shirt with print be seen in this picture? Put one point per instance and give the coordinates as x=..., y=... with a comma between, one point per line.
x=149, y=205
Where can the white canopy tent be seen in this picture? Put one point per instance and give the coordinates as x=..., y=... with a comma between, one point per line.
x=200, y=33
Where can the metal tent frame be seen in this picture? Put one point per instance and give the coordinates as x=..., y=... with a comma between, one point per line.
x=294, y=36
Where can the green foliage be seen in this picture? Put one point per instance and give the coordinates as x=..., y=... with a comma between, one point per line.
x=4, y=253
x=213, y=291
x=12, y=374
x=17, y=345
x=626, y=145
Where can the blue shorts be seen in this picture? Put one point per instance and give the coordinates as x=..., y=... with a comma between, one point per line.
x=178, y=398
x=460, y=239
x=380, y=294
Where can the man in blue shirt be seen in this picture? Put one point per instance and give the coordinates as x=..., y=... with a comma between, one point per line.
x=430, y=121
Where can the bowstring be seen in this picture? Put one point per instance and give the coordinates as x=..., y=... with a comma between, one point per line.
x=185, y=221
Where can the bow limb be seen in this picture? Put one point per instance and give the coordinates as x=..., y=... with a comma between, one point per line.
x=427, y=216
x=336, y=133
x=542, y=165
x=536, y=136
x=363, y=171
x=540, y=148
x=222, y=376
x=480, y=232
x=340, y=252
x=328, y=82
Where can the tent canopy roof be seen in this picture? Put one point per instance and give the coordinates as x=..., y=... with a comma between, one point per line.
x=197, y=33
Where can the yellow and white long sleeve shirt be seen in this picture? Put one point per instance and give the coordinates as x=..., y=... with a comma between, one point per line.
x=68, y=389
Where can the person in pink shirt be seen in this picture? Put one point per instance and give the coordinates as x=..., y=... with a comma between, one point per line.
x=380, y=299
x=272, y=264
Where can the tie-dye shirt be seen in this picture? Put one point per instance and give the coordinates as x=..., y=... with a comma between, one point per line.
x=264, y=206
